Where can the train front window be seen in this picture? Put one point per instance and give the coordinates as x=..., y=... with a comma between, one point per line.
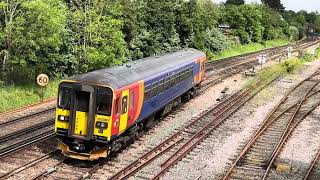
x=104, y=101
x=64, y=98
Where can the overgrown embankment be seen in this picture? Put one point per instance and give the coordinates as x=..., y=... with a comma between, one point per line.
x=18, y=96
x=252, y=47
x=284, y=68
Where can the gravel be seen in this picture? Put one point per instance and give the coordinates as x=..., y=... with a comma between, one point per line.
x=213, y=156
x=9, y=115
x=175, y=121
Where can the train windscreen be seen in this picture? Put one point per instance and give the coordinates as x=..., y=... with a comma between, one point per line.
x=65, y=94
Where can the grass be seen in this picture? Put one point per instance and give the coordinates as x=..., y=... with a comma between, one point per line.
x=252, y=47
x=289, y=66
x=13, y=97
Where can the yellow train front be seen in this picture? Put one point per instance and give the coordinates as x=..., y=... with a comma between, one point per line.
x=98, y=112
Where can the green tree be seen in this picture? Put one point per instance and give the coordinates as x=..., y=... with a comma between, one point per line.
x=31, y=32
x=245, y=20
x=234, y=2
x=95, y=32
x=274, y=4
x=157, y=28
x=274, y=25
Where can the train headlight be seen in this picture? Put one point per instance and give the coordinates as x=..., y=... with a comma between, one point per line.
x=63, y=118
x=102, y=125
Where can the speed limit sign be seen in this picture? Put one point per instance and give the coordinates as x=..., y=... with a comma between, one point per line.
x=42, y=80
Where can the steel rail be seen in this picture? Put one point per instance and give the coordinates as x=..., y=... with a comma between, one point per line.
x=26, y=107
x=285, y=138
x=51, y=170
x=29, y=141
x=28, y=164
x=266, y=125
x=176, y=135
x=205, y=132
x=25, y=117
x=314, y=161
x=22, y=132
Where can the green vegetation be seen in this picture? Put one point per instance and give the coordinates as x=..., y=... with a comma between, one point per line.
x=317, y=55
x=62, y=38
x=284, y=68
x=13, y=97
x=241, y=49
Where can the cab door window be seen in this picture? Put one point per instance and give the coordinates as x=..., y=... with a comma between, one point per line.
x=124, y=104
x=131, y=100
x=117, y=107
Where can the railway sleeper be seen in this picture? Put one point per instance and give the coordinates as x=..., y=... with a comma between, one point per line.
x=134, y=132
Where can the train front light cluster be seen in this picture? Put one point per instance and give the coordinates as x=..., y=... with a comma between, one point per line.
x=63, y=118
x=102, y=125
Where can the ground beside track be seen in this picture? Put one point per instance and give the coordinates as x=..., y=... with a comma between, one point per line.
x=214, y=155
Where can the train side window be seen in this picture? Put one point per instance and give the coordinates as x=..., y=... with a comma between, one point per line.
x=154, y=89
x=176, y=80
x=190, y=72
x=124, y=104
x=180, y=78
x=186, y=75
x=161, y=86
x=131, y=100
x=117, y=106
x=172, y=81
x=147, y=93
x=167, y=83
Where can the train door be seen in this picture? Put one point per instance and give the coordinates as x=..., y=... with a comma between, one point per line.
x=82, y=111
x=124, y=110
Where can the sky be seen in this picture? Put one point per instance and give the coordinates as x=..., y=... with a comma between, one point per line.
x=296, y=5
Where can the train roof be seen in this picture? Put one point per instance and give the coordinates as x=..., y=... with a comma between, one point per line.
x=128, y=73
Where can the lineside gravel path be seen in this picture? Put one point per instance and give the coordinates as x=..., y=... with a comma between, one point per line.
x=13, y=165
x=215, y=155
x=27, y=110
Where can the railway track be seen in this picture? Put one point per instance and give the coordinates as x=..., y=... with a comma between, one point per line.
x=187, y=137
x=314, y=169
x=26, y=130
x=258, y=155
x=220, y=70
x=15, y=164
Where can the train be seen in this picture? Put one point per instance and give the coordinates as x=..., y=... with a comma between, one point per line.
x=100, y=111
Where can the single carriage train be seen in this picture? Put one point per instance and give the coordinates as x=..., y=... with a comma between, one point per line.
x=97, y=112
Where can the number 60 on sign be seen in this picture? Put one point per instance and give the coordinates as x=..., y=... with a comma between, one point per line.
x=42, y=80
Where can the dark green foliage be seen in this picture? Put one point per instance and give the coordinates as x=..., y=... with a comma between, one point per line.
x=66, y=37
x=274, y=4
x=246, y=22
x=96, y=33
x=31, y=34
x=234, y=2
